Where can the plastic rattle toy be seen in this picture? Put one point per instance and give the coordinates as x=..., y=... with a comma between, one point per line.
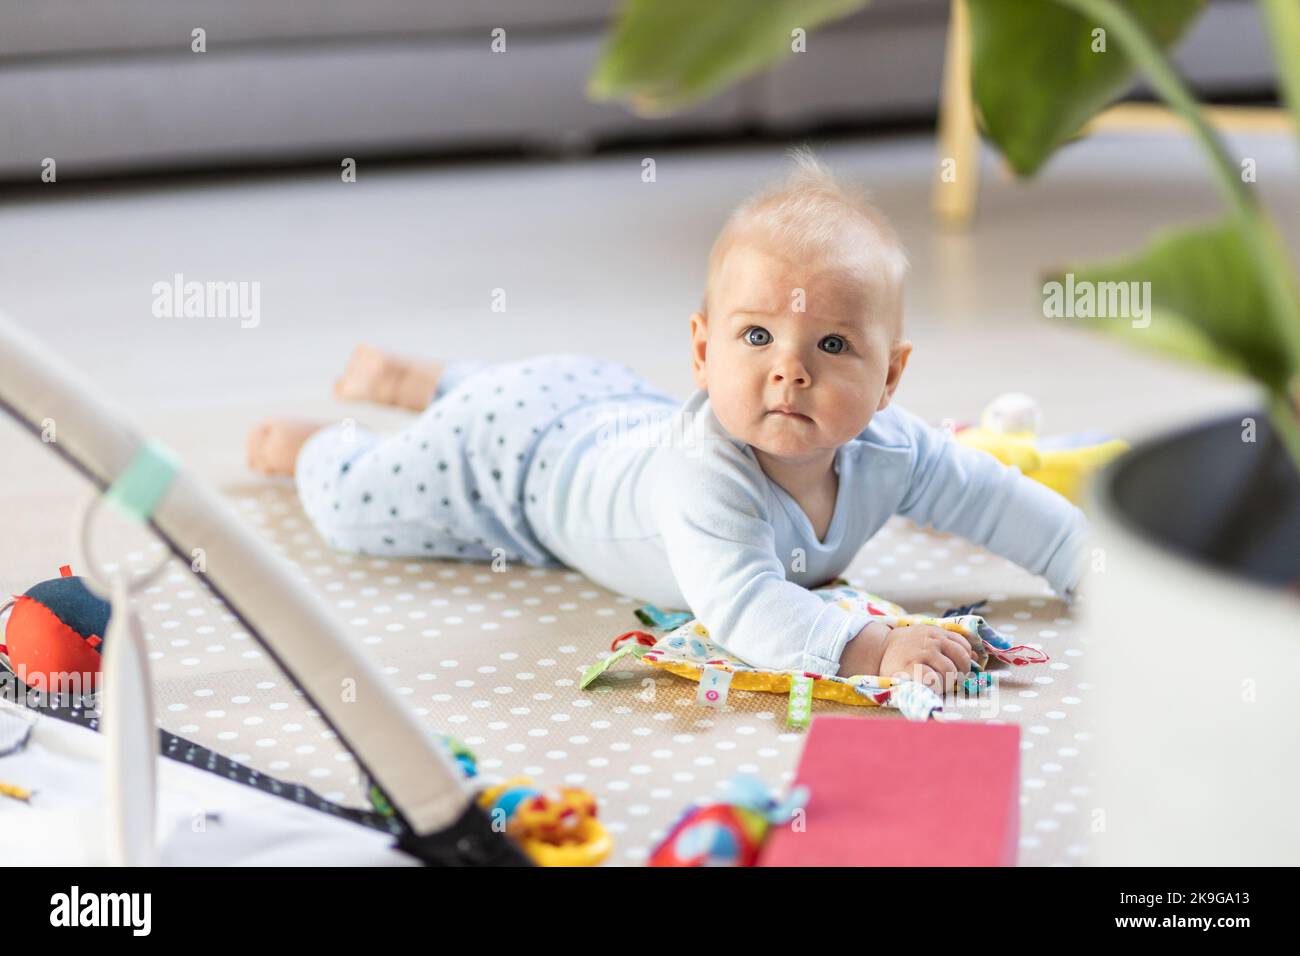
x=555, y=828
x=730, y=833
x=1008, y=431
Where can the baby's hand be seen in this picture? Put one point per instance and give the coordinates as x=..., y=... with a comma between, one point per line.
x=925, y=653
x=862, y=653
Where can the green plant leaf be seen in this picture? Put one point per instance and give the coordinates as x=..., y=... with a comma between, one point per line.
x=1036, y=78
x=1205, y=303
x=1282, y=20
x=664, y=55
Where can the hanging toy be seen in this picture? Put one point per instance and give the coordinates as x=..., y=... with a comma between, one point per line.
x=1008, y=430
x=463, y=756
x=55, y=634
x=730, y=833
x=555, y=828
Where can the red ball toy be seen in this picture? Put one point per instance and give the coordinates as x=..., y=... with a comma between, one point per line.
x=55, y=634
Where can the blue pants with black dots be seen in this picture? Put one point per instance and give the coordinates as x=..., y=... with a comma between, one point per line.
x=450, y=485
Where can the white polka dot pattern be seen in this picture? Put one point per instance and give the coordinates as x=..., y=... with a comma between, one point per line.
x=494, y=658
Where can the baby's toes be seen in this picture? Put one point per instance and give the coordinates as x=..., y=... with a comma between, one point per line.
x=255, y=445
x=270, y=451
x=364, y=370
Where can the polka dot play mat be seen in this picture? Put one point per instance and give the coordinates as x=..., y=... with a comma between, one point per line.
x=495, y=659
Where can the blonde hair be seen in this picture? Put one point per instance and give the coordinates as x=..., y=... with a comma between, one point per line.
x=808, y=211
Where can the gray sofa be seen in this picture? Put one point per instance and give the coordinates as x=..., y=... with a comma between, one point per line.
x=114, y=87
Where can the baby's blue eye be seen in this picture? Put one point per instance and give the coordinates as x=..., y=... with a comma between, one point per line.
x=764, y=337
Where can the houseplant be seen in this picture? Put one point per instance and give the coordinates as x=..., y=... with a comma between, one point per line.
x=1193, y=636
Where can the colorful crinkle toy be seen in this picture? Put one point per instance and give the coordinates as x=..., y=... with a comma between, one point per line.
x=729, y=833
x=1008, y=430
x=557, y=828
x=688, y=651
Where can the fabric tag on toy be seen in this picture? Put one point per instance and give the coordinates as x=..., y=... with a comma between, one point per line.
x=799, y=708
x=651, y=616
x=977, y=683
x=598, y=668
x=916, y=701
x=713, y=689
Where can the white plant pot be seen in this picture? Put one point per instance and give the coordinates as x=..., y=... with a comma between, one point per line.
x=1196, y=695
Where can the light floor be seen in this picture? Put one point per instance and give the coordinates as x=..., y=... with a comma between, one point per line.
x=591, y=259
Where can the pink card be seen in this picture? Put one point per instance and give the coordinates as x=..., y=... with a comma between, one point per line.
x=892, y=792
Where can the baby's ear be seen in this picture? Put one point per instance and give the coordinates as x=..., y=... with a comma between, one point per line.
x=699, y=348
x=898, y=357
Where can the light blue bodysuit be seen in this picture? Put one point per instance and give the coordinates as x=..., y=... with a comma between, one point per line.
x=568, y=460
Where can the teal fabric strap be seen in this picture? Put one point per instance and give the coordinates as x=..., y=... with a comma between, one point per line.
x=145, y=479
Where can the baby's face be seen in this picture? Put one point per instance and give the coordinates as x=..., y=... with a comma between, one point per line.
x=801, y=334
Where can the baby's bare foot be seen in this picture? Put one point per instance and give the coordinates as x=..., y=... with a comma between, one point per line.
x=273, y=445
x=376, y=376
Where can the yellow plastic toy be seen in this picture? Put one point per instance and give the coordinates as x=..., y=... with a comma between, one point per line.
x=555, y=828
x=1008, y=431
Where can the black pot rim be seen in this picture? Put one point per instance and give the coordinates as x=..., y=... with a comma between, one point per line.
x=1105, y=501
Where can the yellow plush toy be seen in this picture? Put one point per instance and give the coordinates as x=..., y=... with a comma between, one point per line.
x=1008, y=430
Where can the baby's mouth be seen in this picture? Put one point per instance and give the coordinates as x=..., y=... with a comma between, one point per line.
x=795, y=416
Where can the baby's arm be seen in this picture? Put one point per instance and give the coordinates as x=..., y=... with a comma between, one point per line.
x=721, y=546
x=968, y=492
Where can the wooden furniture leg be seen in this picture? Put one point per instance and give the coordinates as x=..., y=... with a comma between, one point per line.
x=957, y=176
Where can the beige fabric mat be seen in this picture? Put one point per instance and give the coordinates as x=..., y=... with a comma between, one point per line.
x=494, y=658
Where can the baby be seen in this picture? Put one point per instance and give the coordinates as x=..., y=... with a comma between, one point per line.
x=765, y=483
